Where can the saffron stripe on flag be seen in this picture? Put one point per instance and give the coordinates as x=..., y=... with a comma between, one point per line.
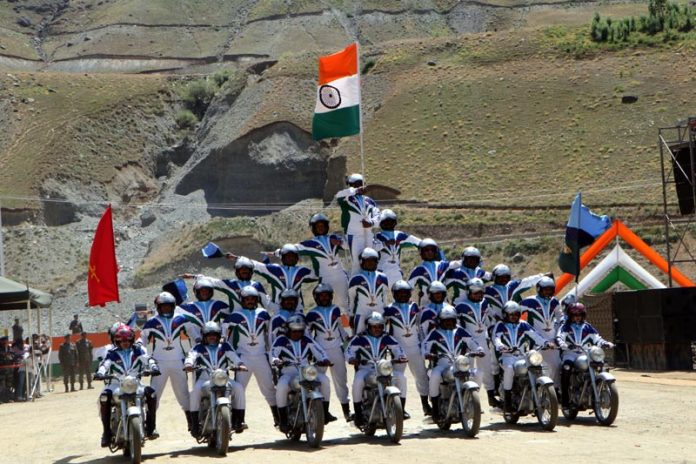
x=339, y=64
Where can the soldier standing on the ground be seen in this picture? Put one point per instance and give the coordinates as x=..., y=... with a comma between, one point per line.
x=67, y=355
x=84, y=360
x=75, y=325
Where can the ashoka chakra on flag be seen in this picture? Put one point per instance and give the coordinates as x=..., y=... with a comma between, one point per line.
x=337, y=110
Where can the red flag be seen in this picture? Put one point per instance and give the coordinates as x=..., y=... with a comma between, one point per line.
x=102, y=281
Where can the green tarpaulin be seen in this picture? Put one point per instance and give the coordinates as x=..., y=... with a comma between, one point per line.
x=14, y=295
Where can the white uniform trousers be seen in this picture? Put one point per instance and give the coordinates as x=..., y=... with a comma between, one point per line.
x=172, y=370
x=283, y=387
x=238, y=398
x=339, y=373
x=398, y=379
x=259, y=367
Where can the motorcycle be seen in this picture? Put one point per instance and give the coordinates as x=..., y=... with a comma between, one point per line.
x=459, y=396
x=592, y=387
x=215, y=416
x=305, y=405
x=532, y=392
x=128, y=415
x=381, y=402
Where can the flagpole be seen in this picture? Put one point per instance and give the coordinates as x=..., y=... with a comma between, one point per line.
x=577, y=276
x=362, y=145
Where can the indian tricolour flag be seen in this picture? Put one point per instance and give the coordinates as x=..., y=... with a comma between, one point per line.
x=337, y=112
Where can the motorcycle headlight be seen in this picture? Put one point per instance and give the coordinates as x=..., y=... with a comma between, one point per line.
x=534, y=358
x=295, y=383
x=448, y=375
x=309, y=373
x=220, y=378
x=384, y=367
x=520, y=367
x=461, y=363
x=581, y=363
x=129, y=385
x=371, y=379
x=597, y=354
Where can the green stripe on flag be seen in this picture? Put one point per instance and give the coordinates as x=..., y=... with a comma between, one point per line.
x=339, y=123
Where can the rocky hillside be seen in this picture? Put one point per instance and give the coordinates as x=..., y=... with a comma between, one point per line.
x=192, y=118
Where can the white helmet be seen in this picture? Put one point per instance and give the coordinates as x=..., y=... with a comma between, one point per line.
x=401, y=285
x=319, y=217
x=202, y=283
x=471, y=252
x=296, y=322
x=427, y=242
x=545, y=282
x=244, y=262
x=322, y=288
x=501, y=270
x=165, y=298
x=375, y=319
x=475, y=285
x=211, y=327
x=249, y=290
x=511, y=307
x=353, y=178
x=436, y=287
x=289, y=293
x=387, y=214
x=447, y=313
x=368, y=253
x=289, y=248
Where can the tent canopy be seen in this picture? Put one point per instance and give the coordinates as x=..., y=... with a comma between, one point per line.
x=14, y=295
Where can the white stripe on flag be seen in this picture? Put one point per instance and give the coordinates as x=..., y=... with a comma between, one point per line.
x=348, y=89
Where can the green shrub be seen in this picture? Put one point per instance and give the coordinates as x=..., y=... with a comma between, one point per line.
x=197, y=96
x=185, y=119
x=221, y=76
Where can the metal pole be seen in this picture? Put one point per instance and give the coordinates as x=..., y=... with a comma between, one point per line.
x=662, y=145
x=2, y=247
x=49, y=382
x=30, y=359
x=362, y=145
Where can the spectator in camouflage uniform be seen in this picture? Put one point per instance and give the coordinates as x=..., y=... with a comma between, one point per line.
x=84, y=360
x=67, y=355
x=7, y=368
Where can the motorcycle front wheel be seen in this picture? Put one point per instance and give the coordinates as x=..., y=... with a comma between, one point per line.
x=222, y=430
x=547, y=409
x=607, y=407
x=315, y=423
x=135, y=443
x=471, y=415
x=394, y=421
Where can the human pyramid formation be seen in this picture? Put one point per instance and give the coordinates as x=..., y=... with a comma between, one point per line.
x=459, y=308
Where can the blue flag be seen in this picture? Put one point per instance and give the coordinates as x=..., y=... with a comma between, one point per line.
x=583, y=228
x=211, y=250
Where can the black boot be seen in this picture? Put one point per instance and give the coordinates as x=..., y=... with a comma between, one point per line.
x=283, y=419
x=238, y=423
x=346, y=411
x=403, y=409
x=492, y=400
x=436, y=408
x=67, y=389
x=427, y=411
x=72, y=387
x=81, y=386
x=276, y=416
x=565, y=386
x=105, y=410
x=191, y=417
x=194, y=424
x=496, y=382
x=358, y=418
x=328, y=417
x=151, y=423
x=508, y=401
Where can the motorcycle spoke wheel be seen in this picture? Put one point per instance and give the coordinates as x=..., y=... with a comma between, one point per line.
x=135, y=440
x=394, y=421
x=607, y=407
x=315, y=423
x=222, y=430
x=471, y=416
x=547, y=409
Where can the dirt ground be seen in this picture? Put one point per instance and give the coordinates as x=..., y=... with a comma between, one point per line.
x=656, y=423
